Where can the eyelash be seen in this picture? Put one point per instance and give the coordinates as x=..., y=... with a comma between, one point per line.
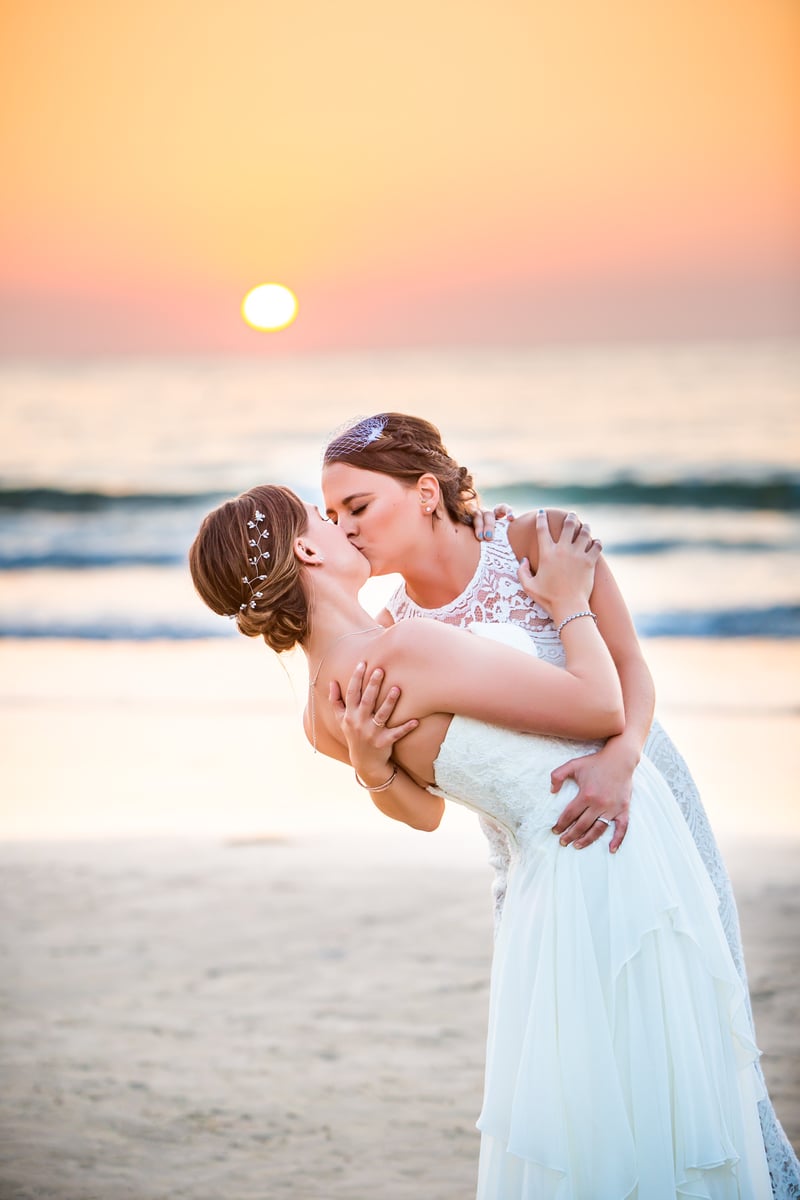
x=356, y=512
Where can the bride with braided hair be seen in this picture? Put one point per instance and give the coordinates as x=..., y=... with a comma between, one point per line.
x=451, y=576
x=620, y=1056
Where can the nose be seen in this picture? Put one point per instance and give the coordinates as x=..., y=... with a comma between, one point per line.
x=348, y=525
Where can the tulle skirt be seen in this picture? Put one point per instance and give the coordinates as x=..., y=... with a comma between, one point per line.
x=620, y=1057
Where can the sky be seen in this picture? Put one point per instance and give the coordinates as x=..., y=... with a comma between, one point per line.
x=436, y=172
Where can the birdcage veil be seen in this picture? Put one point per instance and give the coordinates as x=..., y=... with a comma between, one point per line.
x=354, y=435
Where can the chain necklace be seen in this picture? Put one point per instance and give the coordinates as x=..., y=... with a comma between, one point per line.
x=312, y=682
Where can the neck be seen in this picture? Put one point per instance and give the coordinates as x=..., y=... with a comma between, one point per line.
x=445, y=566
x=331, y=622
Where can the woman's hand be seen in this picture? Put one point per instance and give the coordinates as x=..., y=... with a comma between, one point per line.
x=605, y=784
x=565, y=572
x=484, y=520
x=369, y=739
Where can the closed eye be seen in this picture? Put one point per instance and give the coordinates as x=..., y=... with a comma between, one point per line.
x=356, y=512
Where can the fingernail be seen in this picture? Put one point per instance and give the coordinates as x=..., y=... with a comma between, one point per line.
x=564, y=842
x=541, y=512
x=488, y=536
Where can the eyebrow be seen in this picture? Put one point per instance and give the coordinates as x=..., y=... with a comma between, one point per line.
x=349, y=500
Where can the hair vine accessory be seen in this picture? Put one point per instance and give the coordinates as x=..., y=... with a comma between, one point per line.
x=355, y=435
x=260, y=554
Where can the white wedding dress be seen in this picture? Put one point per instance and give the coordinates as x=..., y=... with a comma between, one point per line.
x=620, y=1056
x=494, y=595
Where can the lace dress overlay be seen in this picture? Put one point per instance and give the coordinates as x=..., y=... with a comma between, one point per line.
x=494, y=595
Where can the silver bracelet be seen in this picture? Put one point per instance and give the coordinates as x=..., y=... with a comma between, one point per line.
x=381, y=786
x=574, y=616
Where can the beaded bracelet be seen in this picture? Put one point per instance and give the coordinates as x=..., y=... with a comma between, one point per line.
x=381, y=787
x=574, y=616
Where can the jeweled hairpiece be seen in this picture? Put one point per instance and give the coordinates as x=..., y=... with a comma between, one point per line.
x=260, y=554
x=355, y=435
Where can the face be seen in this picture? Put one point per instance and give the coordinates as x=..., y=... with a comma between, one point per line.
x=377, y=513
x=334, y=546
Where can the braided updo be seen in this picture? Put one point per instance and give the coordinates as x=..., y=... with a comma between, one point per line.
x=405, y=447
x=221, y=556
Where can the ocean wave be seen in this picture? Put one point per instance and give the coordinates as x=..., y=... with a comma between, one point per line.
x=82, y=556
x=61, y=500
x=779, y=491
x=776, y=622
x=81, y=560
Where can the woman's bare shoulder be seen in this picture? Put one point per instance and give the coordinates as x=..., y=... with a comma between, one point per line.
x=523, y=538
x=416, y=637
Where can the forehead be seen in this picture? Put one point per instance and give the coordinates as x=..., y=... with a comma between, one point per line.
x=340, y=481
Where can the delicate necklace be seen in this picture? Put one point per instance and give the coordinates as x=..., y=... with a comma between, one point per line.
x=312, y=682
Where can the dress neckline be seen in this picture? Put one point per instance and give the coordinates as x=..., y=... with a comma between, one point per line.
x=443, y=608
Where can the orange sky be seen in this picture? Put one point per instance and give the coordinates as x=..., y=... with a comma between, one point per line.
x=437, y=171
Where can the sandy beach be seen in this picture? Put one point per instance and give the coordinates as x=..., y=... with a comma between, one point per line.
x=225, y=977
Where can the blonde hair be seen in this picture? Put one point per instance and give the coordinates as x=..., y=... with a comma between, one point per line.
x=276, y=607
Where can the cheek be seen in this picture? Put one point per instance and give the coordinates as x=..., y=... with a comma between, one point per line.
x=389, y=522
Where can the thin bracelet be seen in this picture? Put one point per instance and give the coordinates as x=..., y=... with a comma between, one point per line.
x=574, y=616
x=381, y=787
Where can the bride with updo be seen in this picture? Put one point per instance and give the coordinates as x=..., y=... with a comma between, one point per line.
x=620, y=1055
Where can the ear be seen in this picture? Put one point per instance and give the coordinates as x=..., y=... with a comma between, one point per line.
x=429, y=492
x=306, y=553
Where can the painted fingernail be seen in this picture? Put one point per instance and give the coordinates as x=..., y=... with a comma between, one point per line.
x=488, y=536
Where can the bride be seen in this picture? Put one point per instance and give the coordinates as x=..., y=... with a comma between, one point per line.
x=620, y=1059
x=408, y=507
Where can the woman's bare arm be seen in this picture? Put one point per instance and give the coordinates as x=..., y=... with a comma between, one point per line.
x=442, y=669
x=605, y=779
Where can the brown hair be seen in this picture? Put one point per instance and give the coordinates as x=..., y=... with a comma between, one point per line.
x=405, y=447
x=219, y=560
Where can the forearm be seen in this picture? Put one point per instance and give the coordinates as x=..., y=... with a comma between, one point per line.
x=638, y=697
x=404, y=800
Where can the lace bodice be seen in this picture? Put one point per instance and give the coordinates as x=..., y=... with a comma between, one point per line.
x=494, y=595
x=505, y=775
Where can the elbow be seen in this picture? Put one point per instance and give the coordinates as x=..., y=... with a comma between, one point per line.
x=431, y=819
x=613, y=718
x=607, y=717
x=616, y=722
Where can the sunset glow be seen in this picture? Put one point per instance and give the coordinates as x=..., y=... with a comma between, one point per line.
x=269, y=307
x=444, y=173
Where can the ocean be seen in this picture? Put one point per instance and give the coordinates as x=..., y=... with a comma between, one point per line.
x=684, y=458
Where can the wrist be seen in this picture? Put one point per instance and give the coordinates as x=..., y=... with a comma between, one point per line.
x=578, y=615
x=625, y=748
x=372, y=784
x=564, y=607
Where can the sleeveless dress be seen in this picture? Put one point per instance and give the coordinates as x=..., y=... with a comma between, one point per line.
x=620, y=1060
x=495, y=595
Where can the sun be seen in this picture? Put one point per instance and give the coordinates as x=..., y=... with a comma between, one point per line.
x=269, y=307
